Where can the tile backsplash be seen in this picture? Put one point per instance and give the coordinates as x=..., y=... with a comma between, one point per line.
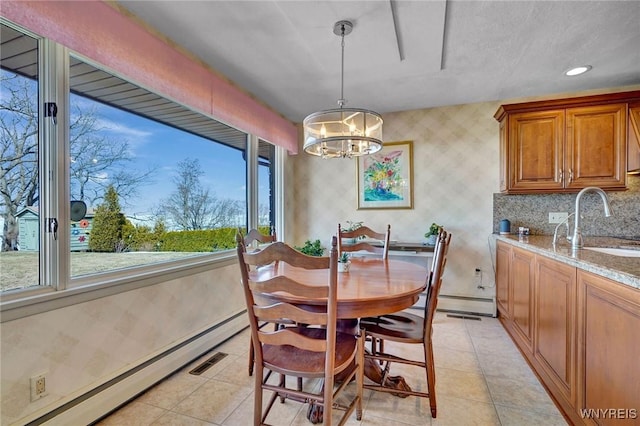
x=532, y=211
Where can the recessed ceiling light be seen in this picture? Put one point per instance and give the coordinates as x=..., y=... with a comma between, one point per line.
x=577, y=70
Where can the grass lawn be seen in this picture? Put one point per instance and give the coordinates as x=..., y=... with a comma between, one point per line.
x=20, y=268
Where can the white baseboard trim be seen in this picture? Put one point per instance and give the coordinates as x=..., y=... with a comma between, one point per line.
x=98, y=402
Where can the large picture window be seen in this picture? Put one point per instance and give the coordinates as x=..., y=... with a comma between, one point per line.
x=148, y=181
x=157, y=182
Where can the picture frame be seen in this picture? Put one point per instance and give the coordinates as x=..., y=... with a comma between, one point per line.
x=385, y=179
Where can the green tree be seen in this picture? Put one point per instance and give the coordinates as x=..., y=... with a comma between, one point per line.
x=131, y=235
x=108, y=222
x=159, y=231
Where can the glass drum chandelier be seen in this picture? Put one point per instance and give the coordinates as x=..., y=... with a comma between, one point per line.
x=342, y=132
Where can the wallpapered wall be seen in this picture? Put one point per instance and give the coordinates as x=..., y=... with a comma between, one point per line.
x=84, y=345
x=456, y=166
x=455, y=175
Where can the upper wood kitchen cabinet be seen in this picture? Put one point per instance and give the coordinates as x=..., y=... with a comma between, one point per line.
x=596, y=148
x=633, y=143
x=535, y=142
x=564, y=145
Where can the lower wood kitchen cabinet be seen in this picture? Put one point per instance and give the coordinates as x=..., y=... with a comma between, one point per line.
x=522, y=275
x=503, y=259
x=580, y=332
x=555, y=326
x=609, y=355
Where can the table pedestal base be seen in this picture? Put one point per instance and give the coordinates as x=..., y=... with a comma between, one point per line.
x=373, y=371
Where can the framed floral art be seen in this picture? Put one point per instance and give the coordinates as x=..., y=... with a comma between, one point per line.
x=385, y=179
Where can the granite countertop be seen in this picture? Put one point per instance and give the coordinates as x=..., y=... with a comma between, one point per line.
x=625, y=270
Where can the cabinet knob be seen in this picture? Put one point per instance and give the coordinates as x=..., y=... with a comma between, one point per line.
x=570, y=175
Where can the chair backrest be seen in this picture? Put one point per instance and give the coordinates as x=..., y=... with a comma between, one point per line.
x=364, y=231
x=435, y=278
x=257, y=289
x=255, y=236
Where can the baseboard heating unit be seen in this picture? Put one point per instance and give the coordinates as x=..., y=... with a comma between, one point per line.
x=484, y=306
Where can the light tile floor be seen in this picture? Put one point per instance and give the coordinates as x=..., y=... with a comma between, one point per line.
x=481, y=379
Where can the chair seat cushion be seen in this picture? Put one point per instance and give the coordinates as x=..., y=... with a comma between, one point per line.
x=290, y=360
x=400, y=327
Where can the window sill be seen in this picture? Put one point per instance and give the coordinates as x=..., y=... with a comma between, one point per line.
x=37, y=300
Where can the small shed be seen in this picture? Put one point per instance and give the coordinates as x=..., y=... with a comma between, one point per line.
x=28, y=230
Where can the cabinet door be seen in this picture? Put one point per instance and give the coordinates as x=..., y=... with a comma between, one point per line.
x=522, y=285
x=596, y=149
x=503, y=254
x=633, y=143
x=555, y=324
x=609, y=342
x=536, y=146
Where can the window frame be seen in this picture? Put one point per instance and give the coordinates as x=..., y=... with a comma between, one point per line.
x=56, y=287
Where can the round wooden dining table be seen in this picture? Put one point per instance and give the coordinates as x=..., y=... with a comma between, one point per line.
x=372, y=286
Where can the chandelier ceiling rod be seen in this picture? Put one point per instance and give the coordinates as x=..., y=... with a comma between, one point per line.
x=342, y=101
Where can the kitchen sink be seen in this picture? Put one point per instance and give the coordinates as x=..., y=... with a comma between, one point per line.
x=623, y=252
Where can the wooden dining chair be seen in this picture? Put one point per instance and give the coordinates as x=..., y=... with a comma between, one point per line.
x=314, y=351
x=406, y=327
x=256, y=237
x=356, y=235
x=253, y=239
x=366, y=232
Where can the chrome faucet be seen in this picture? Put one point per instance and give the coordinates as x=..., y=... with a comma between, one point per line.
x=555, y=232
x=576, y=239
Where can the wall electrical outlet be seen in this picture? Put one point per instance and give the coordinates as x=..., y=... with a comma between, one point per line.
x=477, y=278
x=39, y=386
x=558, y=217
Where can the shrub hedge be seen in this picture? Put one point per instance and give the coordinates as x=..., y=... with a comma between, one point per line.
x=203, y=240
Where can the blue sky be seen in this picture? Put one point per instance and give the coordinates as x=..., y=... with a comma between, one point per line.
x=153, y=145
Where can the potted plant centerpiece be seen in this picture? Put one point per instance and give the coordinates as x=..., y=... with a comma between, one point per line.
x=344, y=262
x=432, y=234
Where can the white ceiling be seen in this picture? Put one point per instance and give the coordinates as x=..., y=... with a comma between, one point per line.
x=285, y=53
